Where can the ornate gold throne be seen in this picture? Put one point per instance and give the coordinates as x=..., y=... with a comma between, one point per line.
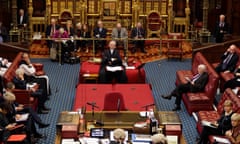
x=154, y=23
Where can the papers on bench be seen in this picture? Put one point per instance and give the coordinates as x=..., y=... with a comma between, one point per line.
x=221, y=140
x=209, y=124
x=23, y=117
x=114, y=69
x=69, y=141
x=172, y=139
x=30, y=85
x=141, y=138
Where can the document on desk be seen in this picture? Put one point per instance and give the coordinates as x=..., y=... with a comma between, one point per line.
x=221, y=140
x=114, y=69
x=209, y=124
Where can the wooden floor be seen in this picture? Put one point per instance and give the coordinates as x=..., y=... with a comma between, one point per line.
x=154, y=52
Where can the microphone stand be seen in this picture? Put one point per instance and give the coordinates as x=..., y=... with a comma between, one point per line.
x=93, y=106
x=146, y=108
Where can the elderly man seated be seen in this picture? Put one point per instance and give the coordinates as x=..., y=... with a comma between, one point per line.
x=21, y=83
x=112, y=66
x=29, y=73
x=196, y=84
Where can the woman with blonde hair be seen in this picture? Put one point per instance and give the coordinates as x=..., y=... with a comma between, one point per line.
x=234, y=134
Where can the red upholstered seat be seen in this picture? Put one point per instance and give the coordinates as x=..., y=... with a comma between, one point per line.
x=114, y=101
x=136, y=75
x=22, y=96
x=227, y=76
x=215, y=115
x=200, y=100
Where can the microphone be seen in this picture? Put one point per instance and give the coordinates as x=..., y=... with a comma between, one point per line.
x=118, y=105
x=148, y=105
x=92, y=104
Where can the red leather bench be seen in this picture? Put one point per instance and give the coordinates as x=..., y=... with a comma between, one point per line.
x=215, y=115
x=227, y=76
x=200, y=100
x=22, y=96
x=136, y=75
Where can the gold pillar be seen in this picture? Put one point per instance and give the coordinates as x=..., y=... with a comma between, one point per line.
x=48, y=12
x=135, y=11
x=204, y=33
x=170, y=15
x=83, y=11
x=14, y=12
x=30, y=13
x=187, y=13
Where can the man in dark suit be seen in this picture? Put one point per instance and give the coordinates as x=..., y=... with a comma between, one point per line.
x=3, y=33
x=111, y=58
x=22, y=19
x=100, y=32
x=196, y=84
x=138, y=33
x=228, y=60
x=51, y=30
x=221, y=29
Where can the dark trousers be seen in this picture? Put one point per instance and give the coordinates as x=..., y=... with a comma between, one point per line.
x=232, y=83
x=32, y=113
x=179, y=90
x=108, y=77
x=209, y=131
x=219, y=68
x=41, y=98
x=100, y=45
x=139, y=44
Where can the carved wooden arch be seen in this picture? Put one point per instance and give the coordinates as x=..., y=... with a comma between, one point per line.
x=154, y=23
x=64, y=16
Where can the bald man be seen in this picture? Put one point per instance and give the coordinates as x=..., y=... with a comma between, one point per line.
x=221, y=29
x=228, y=60
x=111, y=57
x=195, y=84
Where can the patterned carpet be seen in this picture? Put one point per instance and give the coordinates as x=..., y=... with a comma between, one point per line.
x=160, y=74
x=154, y=51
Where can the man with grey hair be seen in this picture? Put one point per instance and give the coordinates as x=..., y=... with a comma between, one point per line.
x=221, y=29
x=120, y=34
x=195, y=84
x=159, y=139
x=112, y=58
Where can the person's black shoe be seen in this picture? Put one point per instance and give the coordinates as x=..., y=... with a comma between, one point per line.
x=46, y=109
x=176, y=108
x=41, y=111
x=167, y=97
x=38, y=135
x=43, y=125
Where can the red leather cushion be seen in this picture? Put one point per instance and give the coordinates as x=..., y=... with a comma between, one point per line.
x=196, y=98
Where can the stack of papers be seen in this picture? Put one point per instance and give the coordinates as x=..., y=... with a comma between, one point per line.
x=172, y=139
x=141, y=138
x=23, y=117
x=113, y=69
x=221, y=140
x=69, y=141
x=209, y=124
